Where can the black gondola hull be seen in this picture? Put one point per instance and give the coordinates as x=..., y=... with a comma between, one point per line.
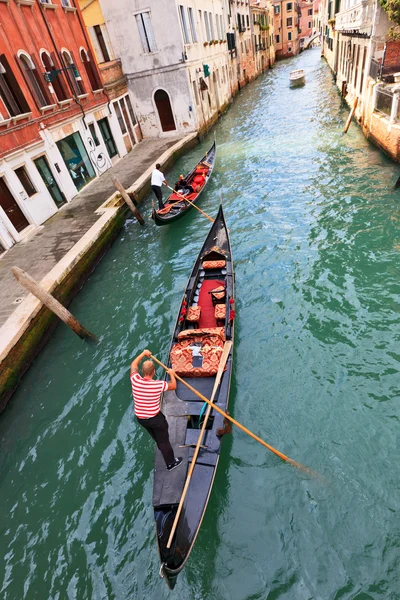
x=182, y=409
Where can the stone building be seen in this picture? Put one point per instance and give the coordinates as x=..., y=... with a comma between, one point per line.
x=364, y=60
x=56, y=132
x=262, y=22
x=306, y=21
x=114, y=81
x=286, y=28
x=175, y=55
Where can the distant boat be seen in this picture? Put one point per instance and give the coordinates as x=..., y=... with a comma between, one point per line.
x=297, y=77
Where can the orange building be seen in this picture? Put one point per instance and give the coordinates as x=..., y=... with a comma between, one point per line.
x=286, y=28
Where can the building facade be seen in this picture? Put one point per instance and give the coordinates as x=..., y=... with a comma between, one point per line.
x=262, y=20
x=113, y=79
x=56, y=132
x=286, y=28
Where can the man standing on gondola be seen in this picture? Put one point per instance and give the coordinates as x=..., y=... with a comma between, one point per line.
x=146, y=393
x=157, y=179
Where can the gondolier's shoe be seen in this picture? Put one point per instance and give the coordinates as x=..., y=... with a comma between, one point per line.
x=175, y=464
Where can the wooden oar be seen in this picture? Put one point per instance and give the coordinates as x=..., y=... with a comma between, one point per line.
x=221, y=367
x=242, y=427
x=186, y=200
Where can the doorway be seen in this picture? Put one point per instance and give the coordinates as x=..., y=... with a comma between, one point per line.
x=11, y=208
x=107, y=137
x=164, y=109
x=51, y=184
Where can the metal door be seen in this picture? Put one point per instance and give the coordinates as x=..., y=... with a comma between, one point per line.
x=45, y=172
x=11, y=208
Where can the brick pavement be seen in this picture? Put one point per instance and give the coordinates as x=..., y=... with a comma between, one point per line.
x=39, y=253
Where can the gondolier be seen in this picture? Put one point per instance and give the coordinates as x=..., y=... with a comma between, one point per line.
x=146, y=393
x=157, y=179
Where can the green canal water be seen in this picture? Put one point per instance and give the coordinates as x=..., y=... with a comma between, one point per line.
x=314, y=228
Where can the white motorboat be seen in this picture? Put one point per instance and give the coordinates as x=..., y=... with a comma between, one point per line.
x=297, y=77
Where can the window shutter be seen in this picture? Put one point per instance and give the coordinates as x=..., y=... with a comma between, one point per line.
x=96, y=45
x=78, y=82
x=28, y=82
x=41, y=80
x=18, y=96
x=58, y=83
x=149, y=31
x=142, y=34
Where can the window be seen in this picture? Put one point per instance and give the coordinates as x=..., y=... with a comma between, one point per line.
x=58, y=82
x=309, y=24
x=309, y=12
x=90, y=69
x=24, y=178
x=36, y=83
x=207, y=26
x=222, y=26
x=130, y=109
x=211, y=25
x=277, y=10
x=289, y=6
x=107, y=136
x=184, y=25
x=218, y=31
x=73, y=76
x=289, y=49
x=201, y=26
x=277, y=39
x=66, y=3
x=289, y=36
x=99, y=36
x=93, y=134
x=76, y=160
x=192, y=25
x=120, y=118
x=247, y=20
x=289, y=22
x=146, y=32
x=10, y=92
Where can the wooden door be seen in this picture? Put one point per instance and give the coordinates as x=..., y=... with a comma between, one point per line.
x=11, y=208
x=163, y=104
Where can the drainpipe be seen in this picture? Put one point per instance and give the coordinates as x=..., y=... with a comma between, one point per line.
x=61, y=62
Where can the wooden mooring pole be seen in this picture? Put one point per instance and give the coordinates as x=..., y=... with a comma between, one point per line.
x=351, y=115
x=125, y=197
x=50, y=302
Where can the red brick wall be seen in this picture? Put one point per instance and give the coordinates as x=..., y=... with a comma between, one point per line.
x=24, y=28
x=392, y=57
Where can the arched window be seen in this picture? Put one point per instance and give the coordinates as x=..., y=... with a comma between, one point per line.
x=57, y=83
x=90, y=69
x=34, y=79
x=10, y=92
x=74, y=80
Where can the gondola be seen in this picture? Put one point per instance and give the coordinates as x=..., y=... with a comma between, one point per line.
x=196, y=181
x=205, y=321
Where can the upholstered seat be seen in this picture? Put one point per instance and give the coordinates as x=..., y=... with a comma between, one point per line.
x=193, y=315
x=213, y=264
x=210, y=343
x=220, y=312
x=218, y=295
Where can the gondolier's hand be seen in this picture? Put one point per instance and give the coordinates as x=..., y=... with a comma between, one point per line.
x=171, y=372
x=146, y=353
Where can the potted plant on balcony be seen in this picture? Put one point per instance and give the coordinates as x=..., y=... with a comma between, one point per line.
x=205, y=44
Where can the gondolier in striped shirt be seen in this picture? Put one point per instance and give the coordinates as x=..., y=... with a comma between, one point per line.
x=146, y=393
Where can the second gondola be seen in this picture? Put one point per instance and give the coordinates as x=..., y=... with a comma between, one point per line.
x=194, y=184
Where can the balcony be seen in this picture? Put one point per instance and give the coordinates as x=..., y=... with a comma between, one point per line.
x=113, y=78
x=356, y=18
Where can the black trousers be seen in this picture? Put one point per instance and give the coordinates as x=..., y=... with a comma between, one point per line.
x=158, y=429
x=158, y=194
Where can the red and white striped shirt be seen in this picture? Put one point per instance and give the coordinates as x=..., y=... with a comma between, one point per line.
x=146, y=395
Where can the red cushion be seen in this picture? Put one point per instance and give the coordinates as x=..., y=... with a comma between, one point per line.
x=198, y=179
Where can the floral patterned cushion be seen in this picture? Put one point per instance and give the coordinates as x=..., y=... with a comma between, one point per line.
x=218, y=293
x=220, y=311
x=214, y=264
x=212, y=344
x=193, y=315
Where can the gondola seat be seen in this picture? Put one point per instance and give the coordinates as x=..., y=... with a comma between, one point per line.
x=213, y=264
x=220, y=313
x=193, y=315
x=218, y=295
x=198, y=352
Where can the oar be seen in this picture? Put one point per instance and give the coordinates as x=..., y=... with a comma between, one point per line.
x=186, y=200
x=221, y=366
x=242, y=427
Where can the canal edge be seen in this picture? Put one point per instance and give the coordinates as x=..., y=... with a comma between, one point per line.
x=31, y=325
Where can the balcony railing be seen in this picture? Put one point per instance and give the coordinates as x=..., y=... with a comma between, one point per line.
x=357, y=17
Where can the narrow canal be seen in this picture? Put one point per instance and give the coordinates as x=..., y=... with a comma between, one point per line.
x=314, y=229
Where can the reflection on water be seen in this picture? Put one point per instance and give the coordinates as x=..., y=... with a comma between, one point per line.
x=313, y=222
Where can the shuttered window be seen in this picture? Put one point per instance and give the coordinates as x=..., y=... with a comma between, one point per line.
x=34, y=80
x=192, y=25
x=146, y=32
x=10, y=91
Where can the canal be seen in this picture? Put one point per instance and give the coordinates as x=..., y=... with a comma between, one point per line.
x=314, y=229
